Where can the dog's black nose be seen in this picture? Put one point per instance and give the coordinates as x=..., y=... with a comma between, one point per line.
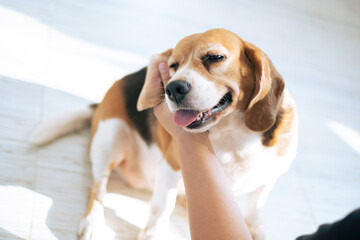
x=177, y=90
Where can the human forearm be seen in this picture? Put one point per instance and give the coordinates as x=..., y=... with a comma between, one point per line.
x=213, y=210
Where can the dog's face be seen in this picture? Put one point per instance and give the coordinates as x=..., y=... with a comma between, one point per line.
x=212, y=74
x=215, y=73
x=205, y=79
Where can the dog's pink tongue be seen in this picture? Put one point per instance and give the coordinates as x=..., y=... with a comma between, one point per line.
x=184, y=117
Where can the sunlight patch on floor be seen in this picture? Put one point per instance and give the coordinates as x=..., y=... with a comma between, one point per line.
x=132, y=210
x=17, y=211
x=58, y=60
x=348, y=135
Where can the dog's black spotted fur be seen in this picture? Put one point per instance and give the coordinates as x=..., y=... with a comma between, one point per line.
x=132, y=85
x=268, y=136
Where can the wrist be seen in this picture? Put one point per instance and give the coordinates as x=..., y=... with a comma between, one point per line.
x=190, y=142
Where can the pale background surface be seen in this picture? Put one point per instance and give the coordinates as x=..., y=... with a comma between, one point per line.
x=81, y=47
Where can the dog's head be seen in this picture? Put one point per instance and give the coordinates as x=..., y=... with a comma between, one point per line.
x=216, y=72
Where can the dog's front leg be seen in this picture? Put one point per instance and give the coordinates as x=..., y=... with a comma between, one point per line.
x=256, y=200
x=162, y=202
x=107, y=150
x=92, y=225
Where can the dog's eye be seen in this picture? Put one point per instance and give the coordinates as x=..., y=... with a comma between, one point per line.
x=207, y=59
x=174, y=66
x=215, y=58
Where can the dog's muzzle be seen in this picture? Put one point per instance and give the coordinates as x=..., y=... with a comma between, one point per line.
x=177, y=90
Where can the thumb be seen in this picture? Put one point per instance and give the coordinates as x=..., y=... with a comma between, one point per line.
x=164, y=72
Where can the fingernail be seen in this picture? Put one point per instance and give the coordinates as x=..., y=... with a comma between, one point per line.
x=163, y=67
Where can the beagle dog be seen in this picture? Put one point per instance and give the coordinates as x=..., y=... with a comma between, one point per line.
x=219, y=83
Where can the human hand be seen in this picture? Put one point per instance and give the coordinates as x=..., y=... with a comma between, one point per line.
x=161, y=76
x=152, y=92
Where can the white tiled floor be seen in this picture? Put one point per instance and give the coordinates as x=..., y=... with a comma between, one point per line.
x=81, y=47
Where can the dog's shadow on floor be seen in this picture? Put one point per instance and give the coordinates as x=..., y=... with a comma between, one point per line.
x=122, y=228
x=124, y=212
x=62, y=186
x=127, y=211
x=126, y=208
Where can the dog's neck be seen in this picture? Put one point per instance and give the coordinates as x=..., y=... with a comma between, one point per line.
x=234, y=122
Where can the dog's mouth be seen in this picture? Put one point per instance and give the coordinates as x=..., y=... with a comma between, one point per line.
x=194, y=119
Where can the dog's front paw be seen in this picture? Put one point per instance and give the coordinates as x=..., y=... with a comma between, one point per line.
x=256, y=232
x=94, y=229
x=93, y=226
x=158, y=231
x=146, y=234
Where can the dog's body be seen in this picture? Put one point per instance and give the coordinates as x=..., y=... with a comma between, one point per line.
x=253, y=127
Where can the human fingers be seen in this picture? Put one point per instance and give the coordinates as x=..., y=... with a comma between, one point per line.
x=165, y=118
x=164, y=72
x=153, y=91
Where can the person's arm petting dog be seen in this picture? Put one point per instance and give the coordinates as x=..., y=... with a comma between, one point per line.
x=213, y=210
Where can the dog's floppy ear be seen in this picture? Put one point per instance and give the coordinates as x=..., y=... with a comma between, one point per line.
x=151, y=95
x=269, y=85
